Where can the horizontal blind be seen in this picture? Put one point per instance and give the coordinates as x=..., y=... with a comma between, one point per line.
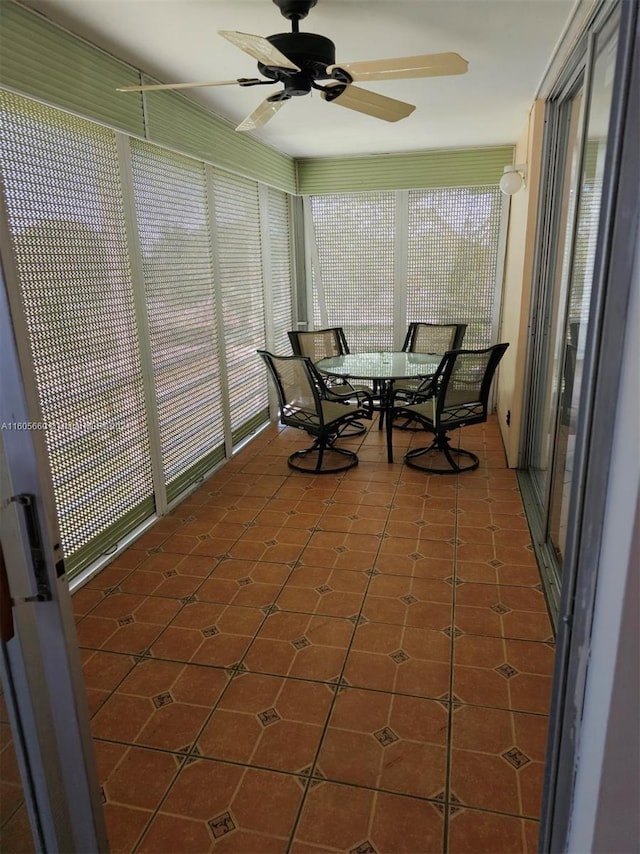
x=40, y=59
x=65, y=215
x=355, y=238
x=176, y=122
x=239, y=259
x=175, y=245
x=281, y=279
x=453, y=237
x=409, y=170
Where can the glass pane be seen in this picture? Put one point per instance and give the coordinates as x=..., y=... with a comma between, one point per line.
x=572, y=114
x=579, y=291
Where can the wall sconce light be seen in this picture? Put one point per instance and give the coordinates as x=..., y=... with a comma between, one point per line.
x=513, y=179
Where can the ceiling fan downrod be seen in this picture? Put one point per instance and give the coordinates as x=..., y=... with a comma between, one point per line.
x=295, y=10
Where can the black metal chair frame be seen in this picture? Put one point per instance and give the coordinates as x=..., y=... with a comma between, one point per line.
x=336, y=388
x=408, y=389
x=414, y=327
x=326, y=422
x=433, y=413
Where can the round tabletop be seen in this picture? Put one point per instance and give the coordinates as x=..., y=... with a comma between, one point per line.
x=380, y=366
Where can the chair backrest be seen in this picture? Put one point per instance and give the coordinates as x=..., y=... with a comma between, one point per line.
x=298, y=395
x=463, y=381
x=319, y=343
x=434, y=337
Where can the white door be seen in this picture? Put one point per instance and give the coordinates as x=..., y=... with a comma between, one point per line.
x=53, y=803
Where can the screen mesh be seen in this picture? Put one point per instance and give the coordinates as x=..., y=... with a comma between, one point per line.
x=281, y=284
x=237, y=221
x=355, y=239
x=175, y=244
x=453, y=237
x=451, y=250
x=66, y=223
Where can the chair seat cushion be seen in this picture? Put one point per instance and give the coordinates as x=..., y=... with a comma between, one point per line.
x=308, y=419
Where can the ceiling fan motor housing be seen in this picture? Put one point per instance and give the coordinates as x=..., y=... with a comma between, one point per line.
x=310, y=52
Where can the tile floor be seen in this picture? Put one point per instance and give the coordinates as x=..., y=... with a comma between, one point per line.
x=357, y=663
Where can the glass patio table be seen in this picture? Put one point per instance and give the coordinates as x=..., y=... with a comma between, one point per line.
x=382, y=369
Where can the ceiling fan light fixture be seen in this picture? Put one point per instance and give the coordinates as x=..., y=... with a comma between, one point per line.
x=513, y=179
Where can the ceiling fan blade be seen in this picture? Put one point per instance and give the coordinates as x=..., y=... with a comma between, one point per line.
x=258, y=48
x=371, y=103
x=429, y=65
x=151, y=86
x=261, y=115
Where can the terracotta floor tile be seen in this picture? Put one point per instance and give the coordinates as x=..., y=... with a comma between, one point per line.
x=289, y=518
x=474, y=831
x=209, y=633
x=15, y=834
x=510, y=522
x=160, y=704
x=244, y=582
x=268, y=721
x=518, y=612
x=344, y=818
x=102, y=672
x=232, y=807
x=323, y=599
x=85, y=600
x=374, y=494
x=404, y=660
x=341, y=550
x=530, y=657
x=111, y=576
x=225, y=631
x=512, y=574
x=363, y=519
x=506, y=749
x=303, y=645
x=410, y=601
x=134, y=776
x=386, y=741
x=496, y=672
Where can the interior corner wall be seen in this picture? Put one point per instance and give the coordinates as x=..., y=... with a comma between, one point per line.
x=517, y=285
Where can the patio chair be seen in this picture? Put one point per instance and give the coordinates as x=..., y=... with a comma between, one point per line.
x=319, y=344
x=434, y=337
x=303, y=406
x=457, y=396
x=426, y=338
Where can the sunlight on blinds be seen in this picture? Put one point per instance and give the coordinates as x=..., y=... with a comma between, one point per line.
x=66, y=223
x=281, y=280
x=448, y=272
x=452, y=257
x=355, y=239
x=237, y=223
x=175, y=244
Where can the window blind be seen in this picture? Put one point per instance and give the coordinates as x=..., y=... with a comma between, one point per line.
x=355, y=241
x=239, y=262
x=66, y=224
x=175, y=245
x=452, y=248
x=446, y=259
x=281, y=279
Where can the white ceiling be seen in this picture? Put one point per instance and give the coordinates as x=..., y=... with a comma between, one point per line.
x=508, y=44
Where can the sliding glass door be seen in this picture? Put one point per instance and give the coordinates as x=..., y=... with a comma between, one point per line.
x=565, y=307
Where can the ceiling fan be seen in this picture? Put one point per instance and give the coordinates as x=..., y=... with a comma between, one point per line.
x=299, y=60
